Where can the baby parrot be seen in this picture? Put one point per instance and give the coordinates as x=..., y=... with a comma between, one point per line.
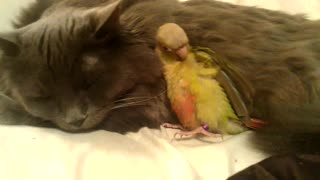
x=197, y=98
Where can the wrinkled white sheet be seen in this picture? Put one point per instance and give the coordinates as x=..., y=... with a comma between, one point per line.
x=28, y=153
x=38, y=154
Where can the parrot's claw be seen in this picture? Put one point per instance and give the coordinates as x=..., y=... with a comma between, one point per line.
x=172, y=126
x=198, y=131
x=202, y=130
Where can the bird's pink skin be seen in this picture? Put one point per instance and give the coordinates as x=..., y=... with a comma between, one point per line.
x=198, y=131
x=202, y=130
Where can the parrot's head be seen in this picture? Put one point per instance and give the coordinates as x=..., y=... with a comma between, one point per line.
x=172, y=42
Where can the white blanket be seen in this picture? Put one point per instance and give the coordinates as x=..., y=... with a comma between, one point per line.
x=44, y=154
x=38, y=154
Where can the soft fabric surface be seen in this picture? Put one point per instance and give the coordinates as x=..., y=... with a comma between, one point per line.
x=39, y=153
x=35, y=153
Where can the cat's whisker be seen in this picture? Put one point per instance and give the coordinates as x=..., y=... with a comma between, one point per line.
x=134, y=101
x=131, y=98
x=121, y=104
x=126, y=105
x=140, y=99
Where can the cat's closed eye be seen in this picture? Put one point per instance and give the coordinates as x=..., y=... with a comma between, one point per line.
x=36, y=93
x=41, y=98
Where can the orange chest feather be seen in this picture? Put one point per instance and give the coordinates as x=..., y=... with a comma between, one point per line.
x=184, y=105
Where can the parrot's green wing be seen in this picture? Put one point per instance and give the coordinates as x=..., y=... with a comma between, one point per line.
x=237, y=87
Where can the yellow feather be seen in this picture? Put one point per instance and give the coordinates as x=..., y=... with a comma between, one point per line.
x=212, y=105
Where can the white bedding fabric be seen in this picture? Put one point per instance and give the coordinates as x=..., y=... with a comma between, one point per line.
x=44, y=154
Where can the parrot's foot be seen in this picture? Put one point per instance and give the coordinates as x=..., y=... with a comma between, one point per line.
x=172, y=126
x=199, y=131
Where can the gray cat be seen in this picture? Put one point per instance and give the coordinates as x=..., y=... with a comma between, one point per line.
x=82, y=65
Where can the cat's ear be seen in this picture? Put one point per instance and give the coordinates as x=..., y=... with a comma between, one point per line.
x=8, y=44
x=106, y=20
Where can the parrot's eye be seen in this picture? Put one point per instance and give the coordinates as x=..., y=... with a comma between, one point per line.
x=182, y=46
x=167, y=49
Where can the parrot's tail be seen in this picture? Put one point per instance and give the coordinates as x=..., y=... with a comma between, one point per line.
x=292, y=129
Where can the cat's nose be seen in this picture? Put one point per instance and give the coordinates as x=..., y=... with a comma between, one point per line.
x=78, y=121
x=76, y=117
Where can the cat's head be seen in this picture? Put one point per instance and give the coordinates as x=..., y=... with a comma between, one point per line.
x=75, y=66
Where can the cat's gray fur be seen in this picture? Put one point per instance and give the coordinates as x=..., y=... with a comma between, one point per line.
x=73, y=56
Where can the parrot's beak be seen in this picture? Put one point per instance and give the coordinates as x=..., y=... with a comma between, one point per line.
x=182, y=53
